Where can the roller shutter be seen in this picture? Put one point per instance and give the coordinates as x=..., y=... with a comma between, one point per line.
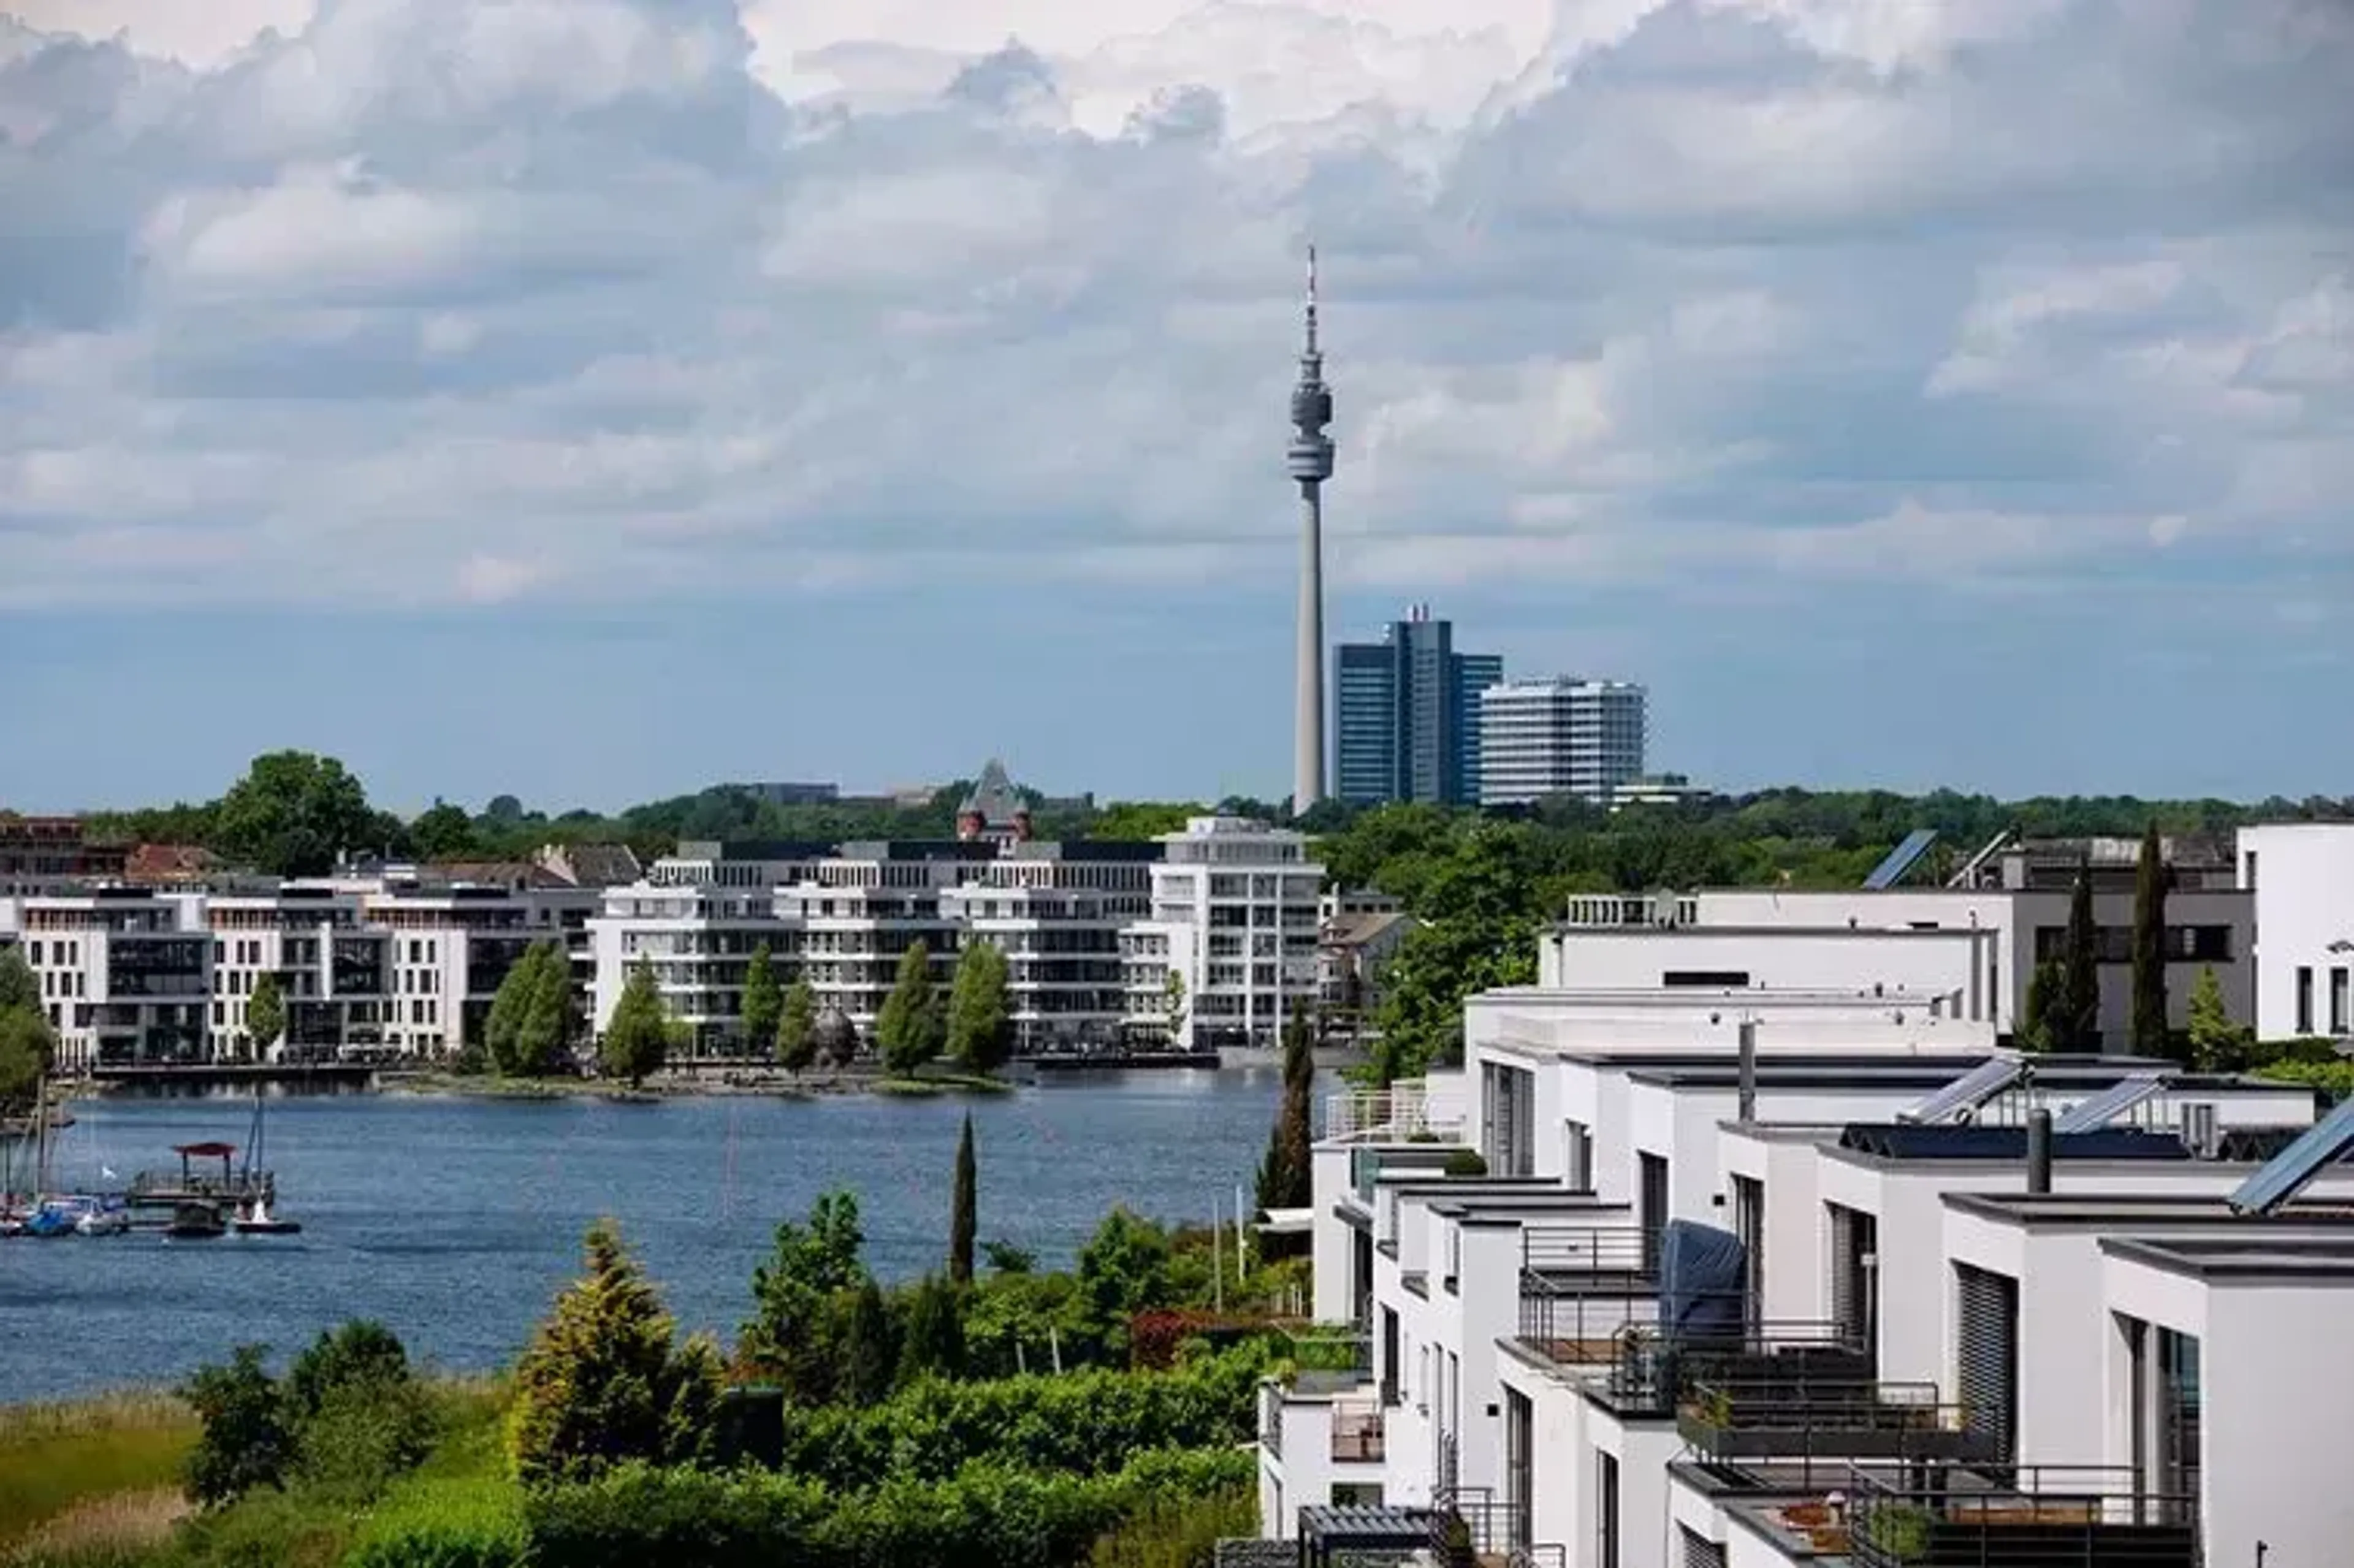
x=1700, y=1552
x=1986, y=1353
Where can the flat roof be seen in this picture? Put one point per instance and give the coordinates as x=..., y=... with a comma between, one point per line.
x=1882, y=1072
x=2092, y=1211
x=2254, y=1259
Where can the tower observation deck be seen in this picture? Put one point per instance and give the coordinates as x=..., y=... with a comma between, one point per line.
x=1309, y=461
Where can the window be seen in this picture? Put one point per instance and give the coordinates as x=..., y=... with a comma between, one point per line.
x=2338, y=999
x=1606, y=1511
x=1749, y=1224
x=2304, y=999
x=1520, y=1442
x=1577, y=1156
x=1706, y=979
x=1700, y=1552
x=1651, y=1206
x=1854, y=1282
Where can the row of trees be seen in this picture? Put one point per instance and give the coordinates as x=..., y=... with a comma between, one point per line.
x=2063, y=1010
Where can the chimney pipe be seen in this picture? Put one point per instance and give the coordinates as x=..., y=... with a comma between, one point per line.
x=2038, y=1150
x=1748, y=1094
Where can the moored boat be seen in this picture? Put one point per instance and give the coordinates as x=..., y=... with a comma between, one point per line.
x=196, y=1221
x=258, y=1221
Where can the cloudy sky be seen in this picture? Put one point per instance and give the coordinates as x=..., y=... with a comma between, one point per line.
x=593, y=399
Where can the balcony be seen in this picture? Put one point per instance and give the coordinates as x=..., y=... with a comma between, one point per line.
x=1358, y=1435
x=2050, y=1516
x=1582, y=1287
x=1798, y=1414
x=1651, y=1373
x=1402, y=1113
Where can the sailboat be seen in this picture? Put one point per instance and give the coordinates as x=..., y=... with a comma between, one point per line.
x=254, y=1218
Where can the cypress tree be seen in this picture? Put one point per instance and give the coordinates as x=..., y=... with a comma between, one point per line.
x=2080, y=996
x=1286, y=1179
x=796, y=1027
x=964, y=1213
x=2150, y=1035
x=908, y=1028
x=870, y=1348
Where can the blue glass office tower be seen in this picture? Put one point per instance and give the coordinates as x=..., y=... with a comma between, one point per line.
x=1406, y=714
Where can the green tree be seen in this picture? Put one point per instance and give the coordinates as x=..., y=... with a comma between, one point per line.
x=764, y=1003
x=934, y=1343
x=2217, y=1042
x=1285, y=1176
x=602, y=1381
x=2151, y=1037
x=503, y=1028
x=1173, y=1005
x=908, y=1031
x=551, y=1015
x=1124, y=1268
x=980, y=1024
x=265, y=1015
x=2079, y=1025
x=27, y=1050
x=637, y=1037
x=291, y=813
x=964, y=1220
x=444, y=832
x=800, y=1299
x=20, y=987
x=358, y=1415
x=796, y=1027
x=2037, y=1027
x=870, y=1352
x=243, y=1442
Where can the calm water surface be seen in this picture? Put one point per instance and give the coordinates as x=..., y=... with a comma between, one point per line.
x=456, y=1221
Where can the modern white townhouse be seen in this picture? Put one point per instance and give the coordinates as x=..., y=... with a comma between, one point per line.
x=2004, y=913
x=1206, y=935
x=2300, y=878
x=332, y=967
x=1802, y=1283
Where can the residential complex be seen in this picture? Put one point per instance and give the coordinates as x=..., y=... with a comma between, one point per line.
x=1406, y=714
x=1559, y=736
x=396, y=962
x=1205, y=937
x=1764, y=1275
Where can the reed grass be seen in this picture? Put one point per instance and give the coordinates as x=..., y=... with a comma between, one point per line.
x=56, y=1459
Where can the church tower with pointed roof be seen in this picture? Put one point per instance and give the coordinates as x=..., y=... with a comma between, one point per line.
x=994, y=812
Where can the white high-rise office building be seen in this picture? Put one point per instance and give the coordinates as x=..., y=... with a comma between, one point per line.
x=1559, y=736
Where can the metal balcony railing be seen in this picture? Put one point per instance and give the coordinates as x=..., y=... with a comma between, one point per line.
x=1473, y=1519
x=1402, y=1113
x=1270, y=1419
x=1654, y=1371
x=1582, y=1287
x=1336, y=1353
x=1804, y=1415
x=2051, y=1516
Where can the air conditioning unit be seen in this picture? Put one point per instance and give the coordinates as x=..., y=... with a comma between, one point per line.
x=2200, y=1134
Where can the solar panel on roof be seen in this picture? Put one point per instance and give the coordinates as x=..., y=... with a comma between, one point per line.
x=2287, y=1173
x=1968, y=1092
x=2111, y=1103
x=1900, y=859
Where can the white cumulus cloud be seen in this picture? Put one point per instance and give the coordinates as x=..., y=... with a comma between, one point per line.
x=409, y=302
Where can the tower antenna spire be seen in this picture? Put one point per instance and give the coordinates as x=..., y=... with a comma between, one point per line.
x=1311, y=298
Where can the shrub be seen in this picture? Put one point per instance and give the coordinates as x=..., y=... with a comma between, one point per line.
x=1465, y=1162
x=472, y=1523
x=636, y=1515
x=245, y=1443
x=1178, y=1532
x=1082, y=1422
x=364, y=1435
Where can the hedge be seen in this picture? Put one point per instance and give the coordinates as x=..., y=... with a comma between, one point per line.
x=1084, y=1423
x=988, y=1516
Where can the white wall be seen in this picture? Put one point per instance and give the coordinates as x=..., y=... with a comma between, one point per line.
x=1941, y=963
x=2302, y=880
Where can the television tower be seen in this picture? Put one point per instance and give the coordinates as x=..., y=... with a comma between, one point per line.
x=1310, y=460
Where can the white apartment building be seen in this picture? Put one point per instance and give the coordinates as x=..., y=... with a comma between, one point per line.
x=1563, y=735
x=1782, y=937
x=1234, y=917
x=2300, y=876
x=450, y=946
x=1804, y=1292
x=332, y=969
x=125, y=973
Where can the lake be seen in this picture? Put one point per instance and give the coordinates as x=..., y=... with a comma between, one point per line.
x=456, y=1221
